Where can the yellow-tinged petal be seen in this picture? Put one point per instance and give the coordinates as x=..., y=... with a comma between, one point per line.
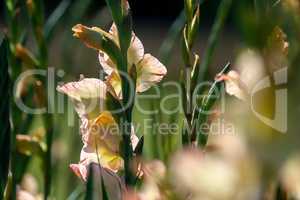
x=149, y=69
x=149, y=72
x=134, y=55
x=88, y=96
x=107, y=64
x=24, y=195
x=84, y=89
x=104, y=133
x=114, y=80
x=101, y=143
x=136, y=49
x=92, y=37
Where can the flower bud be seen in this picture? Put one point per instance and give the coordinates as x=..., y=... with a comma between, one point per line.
x=92, y=37
x=25, y=55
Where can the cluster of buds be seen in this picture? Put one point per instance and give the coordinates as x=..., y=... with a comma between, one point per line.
x=191, y=61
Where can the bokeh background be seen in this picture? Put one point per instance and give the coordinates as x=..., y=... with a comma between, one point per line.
x=152, y=22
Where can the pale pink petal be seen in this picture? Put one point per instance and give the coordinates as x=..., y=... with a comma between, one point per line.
x=134, y=139
x=149, y=72
x=79, y=170
x=135, y=51
x=24, y=195
x=234, y=85
x=114, y=32
x=106, y=63
x=87, y=156
x=107, y=159
x=84, y=89
x=88, y=96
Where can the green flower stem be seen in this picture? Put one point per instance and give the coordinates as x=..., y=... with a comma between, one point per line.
x=122, y=18
x=189, y=35
x=126, y=126
x=172, y=36
x=222, y=14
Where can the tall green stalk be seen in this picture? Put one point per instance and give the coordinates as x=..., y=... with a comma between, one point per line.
x=190, y=59
x=122, y=18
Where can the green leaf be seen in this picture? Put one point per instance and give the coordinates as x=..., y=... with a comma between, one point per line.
x=194, y=73
x=207, y=103
x=54, y=18
x=185, y=48
x=172, y=36
x=115, y=7
x=5, y=129
x=189, y=9
x=36, y=11
x=76, y=193
x=222, y=14
x=193, y=30
x=122, y=17
x=90, y=185
x=104, y=193
x=77, y=11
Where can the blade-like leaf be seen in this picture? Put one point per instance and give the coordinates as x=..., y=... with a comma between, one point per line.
x=5, y=129
x=207, y=103
x=222, y=13
x=77, y=192
x=172, y=36
x=103, y=184
x=104, y=193
x=90, y=185
x=54, y=18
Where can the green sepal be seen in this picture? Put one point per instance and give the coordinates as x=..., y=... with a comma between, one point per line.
x=194, y=73
x=194, y=27
x=185, y=48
